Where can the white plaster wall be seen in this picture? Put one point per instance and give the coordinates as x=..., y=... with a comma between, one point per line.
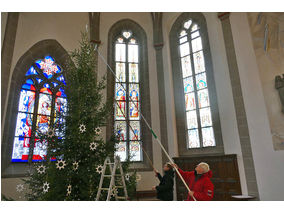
x=268, y=163
x=223, y=88
x=145, y=21
x=4, y=16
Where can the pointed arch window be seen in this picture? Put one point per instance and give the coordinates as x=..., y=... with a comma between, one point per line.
x=42, y=103
x=200, y=132
x=127, y=97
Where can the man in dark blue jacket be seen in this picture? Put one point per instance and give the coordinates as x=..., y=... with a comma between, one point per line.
x=165, y=188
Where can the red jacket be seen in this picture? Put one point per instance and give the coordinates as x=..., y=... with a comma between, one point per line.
x=203, y=187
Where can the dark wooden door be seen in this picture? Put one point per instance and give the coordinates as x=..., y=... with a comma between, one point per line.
x=225, y=178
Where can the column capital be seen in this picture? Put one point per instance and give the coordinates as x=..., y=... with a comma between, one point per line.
x=223, y=15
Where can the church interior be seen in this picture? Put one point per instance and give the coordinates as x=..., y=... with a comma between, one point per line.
x=201, y=87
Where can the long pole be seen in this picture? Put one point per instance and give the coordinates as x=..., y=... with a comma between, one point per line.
x=148, y=125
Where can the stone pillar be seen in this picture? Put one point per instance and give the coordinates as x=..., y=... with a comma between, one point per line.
x=239, y=106
x=157, y=18
x=6, y=57
x=94, y=23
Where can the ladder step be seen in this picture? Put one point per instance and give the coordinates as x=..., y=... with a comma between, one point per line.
x=105, y=189
x=120, y=187
x=110, y=163
x=118, y=197
x=111, y=175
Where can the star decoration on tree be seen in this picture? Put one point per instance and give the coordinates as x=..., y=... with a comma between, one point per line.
x=45, y=187
x=75, y=165
x=82, y=128
x=50, y=132
x=20, y=187
x=69, y=188
x=41, y=169
x=127, y=176
x=99, y=169
x=98, y=131
x=114, y=191
x=93, y=146
x=60, y=164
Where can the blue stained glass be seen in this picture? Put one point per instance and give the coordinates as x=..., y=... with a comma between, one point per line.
x=61, y=78
x=40, y=150
x=46, y=89
x=27, y=100
x=54, y=84
x=24, y=125
x=201, y=81
x=48, y=67
x=21, y=149
x=61, y=93
x=31, y=71
x=188, y=85
x=134, y=92
x=29, y=85
x=39, y=80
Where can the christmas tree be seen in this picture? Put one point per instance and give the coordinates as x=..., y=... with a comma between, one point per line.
x=75, y=147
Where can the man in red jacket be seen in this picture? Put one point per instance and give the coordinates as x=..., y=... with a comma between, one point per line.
x=198, y=182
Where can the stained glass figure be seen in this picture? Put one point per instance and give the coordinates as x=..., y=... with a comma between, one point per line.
x=193, y=138
x=24, y=125
x=196, y=44
x=121, y=151
x=198, y=119
x=190, y=101
x=135, y=125
x=127, y=97
x=27, y=100
x=186, y=66
x=48, y=66
x=198, y=59
x=33, y=90
x=201, y=81
x=133, y=53
x=21, y=149
x=203, y=98
x=188, y=85
x=133, y=73
x=191, y=119
x=120, y=94
x=120, y=128
x=205, y=117
x=134, y=92
x=120, y=72
x=120, y=52
x=133, y=111
x=44, y=104
x=120, y=109
x=208, y=137
x=135, y=151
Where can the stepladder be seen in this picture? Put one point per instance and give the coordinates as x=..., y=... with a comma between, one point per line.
x=112, y=181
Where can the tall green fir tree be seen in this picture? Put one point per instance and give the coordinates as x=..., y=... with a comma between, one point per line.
x=76, y=149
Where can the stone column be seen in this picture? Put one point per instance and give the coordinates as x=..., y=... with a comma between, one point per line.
x=6, y=57
x=157, y=19
x=94, y=23
x=239, y=106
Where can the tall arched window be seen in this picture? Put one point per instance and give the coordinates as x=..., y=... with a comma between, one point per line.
x=196, y=108
x=42, y=103
x=197, y=104
x=127, y=97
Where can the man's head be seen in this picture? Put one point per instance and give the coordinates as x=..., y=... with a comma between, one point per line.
x=167, y=167
x=202, y=168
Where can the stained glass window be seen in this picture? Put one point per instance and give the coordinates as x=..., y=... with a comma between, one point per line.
x=127, y=97
x=199, y=123
x=42, y=103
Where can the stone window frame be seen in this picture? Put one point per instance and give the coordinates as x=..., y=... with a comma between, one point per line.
x=37, y=51
x=199, y=19
x=140, y=35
